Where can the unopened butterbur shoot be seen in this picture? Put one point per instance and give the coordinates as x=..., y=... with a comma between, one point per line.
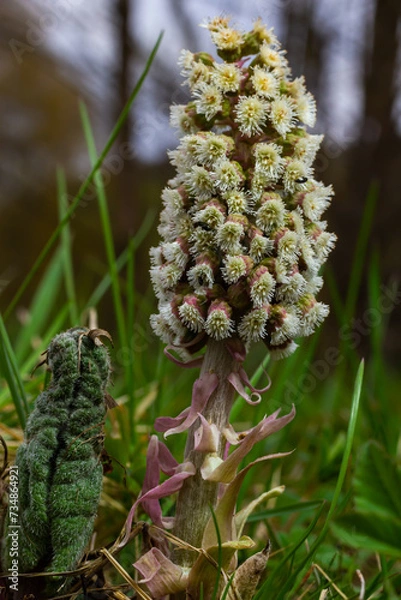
x=59, y=462
x=242, y=244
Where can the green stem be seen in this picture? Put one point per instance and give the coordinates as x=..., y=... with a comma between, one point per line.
x=198, y=496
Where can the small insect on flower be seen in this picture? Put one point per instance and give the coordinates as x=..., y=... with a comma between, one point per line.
x=204, y=226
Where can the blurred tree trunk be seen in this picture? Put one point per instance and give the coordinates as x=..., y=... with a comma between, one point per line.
x=124, y=55
x=380, y=88
x=305, y=44
x=377, y=155
x=126, y=215
x=184, y=19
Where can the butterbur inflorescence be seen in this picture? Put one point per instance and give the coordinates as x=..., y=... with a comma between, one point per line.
x=242, y=244
x=242, y=233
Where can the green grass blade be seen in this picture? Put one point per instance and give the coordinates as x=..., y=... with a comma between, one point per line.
x=283, y=510
x=360, y=252
x=294, y=580
x=105, y=283
x=112, y=266
x=106, y=227
x=130, y=289
x=66, y=249
x=144, y=228
x=344, y=311
x=227, y=589
x=130, y=292
x=10, y=370
x=377, y=331
x=75, y=202
x=293, y=370
x=42, y=305
x=348, y=447
x=336, y=303
x=278, y=571
x=219, y=555
x=121, y=261
x=57, y=324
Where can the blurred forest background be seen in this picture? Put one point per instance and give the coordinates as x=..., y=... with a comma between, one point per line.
x=55, y=52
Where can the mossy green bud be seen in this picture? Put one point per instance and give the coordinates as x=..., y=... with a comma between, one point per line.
x=59, y=462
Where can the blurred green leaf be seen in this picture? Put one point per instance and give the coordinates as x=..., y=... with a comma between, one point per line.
x=285, y=566
x=57, y=324
x=107, y=230
x=359, y=258
x=66, y=248
x=377, y=483
x=42, y=305
x=371, y=533
x=376, y=522
x=10, y=371
x=122, y=260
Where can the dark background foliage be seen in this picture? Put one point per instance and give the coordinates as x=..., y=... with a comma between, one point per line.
x=53, y=53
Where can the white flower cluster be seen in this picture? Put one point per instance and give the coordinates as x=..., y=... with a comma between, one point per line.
x=242, y=232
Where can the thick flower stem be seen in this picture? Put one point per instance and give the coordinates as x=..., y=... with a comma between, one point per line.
x=197, y=495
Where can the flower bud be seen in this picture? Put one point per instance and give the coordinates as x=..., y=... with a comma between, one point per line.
x=219, y=324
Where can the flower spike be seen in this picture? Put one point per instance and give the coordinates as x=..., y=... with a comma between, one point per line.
x=242, y=243
x=243, y=215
